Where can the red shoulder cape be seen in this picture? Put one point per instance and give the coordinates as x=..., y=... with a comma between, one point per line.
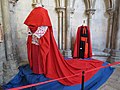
x=38, y=17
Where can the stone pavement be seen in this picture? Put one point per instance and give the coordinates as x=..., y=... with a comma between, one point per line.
x=113, y=83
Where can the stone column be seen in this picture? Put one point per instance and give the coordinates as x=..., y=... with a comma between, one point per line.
x=2, y=50
x=9, y=65
x=118, y=34
x=90, y=4
x=115, y=25
x=60, y=11
x=115, y=48
x=110, y=30
x=90, y=12
x=60, y=8
x=6, y=29
x=69, y=11
x=110, y=10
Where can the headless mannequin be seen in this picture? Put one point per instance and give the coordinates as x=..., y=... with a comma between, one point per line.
x=39, y=5
x=82, y=48
x=84, y=42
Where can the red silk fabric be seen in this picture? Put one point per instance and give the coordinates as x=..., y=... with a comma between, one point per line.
x=77, y=43
x=46, y=58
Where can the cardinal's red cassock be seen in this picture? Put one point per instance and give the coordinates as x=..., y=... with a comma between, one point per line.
x=44, y=56
x=83, y=47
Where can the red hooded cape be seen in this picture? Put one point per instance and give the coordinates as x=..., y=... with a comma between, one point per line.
x=77, y=43
x=48, y=60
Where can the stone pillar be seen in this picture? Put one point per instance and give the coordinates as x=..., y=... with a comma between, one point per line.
x=115, y=52
x=9, y=64
x=115, y=25
x=118, y=34
x=90, y=4
x=60, y=8
x=69, y=11
x=2, y=50
x=90, y=12
x=110, y=10
x=110, y=30
x=60, y=11
x=6, y=29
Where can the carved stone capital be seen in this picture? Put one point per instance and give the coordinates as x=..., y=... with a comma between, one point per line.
x=60, y=9
x=110, y=11
x=13, y=2
x=90, y=11
x=34, y=4
x=90, y=4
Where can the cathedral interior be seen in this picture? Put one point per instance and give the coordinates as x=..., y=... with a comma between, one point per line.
x=102, y=17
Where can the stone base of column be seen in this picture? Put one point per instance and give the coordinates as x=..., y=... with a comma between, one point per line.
x=67, y=53
x=107, y=50
x=99, y=55
x=114, y=56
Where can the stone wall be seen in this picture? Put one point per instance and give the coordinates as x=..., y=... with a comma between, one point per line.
x=2, y=54
x=20, y=10
x=98, y=27
x=19, y=13
x=98, y=22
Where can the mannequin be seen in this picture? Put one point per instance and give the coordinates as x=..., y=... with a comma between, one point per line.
x=43, y=53
x=83, y=48
x=39, y=5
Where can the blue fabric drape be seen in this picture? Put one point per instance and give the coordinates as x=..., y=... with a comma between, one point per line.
x=25, y=76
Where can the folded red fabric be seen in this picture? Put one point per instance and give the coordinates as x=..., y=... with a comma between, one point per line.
x=46, y=58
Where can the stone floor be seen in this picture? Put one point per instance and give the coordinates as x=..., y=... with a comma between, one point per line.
x=113, y=83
